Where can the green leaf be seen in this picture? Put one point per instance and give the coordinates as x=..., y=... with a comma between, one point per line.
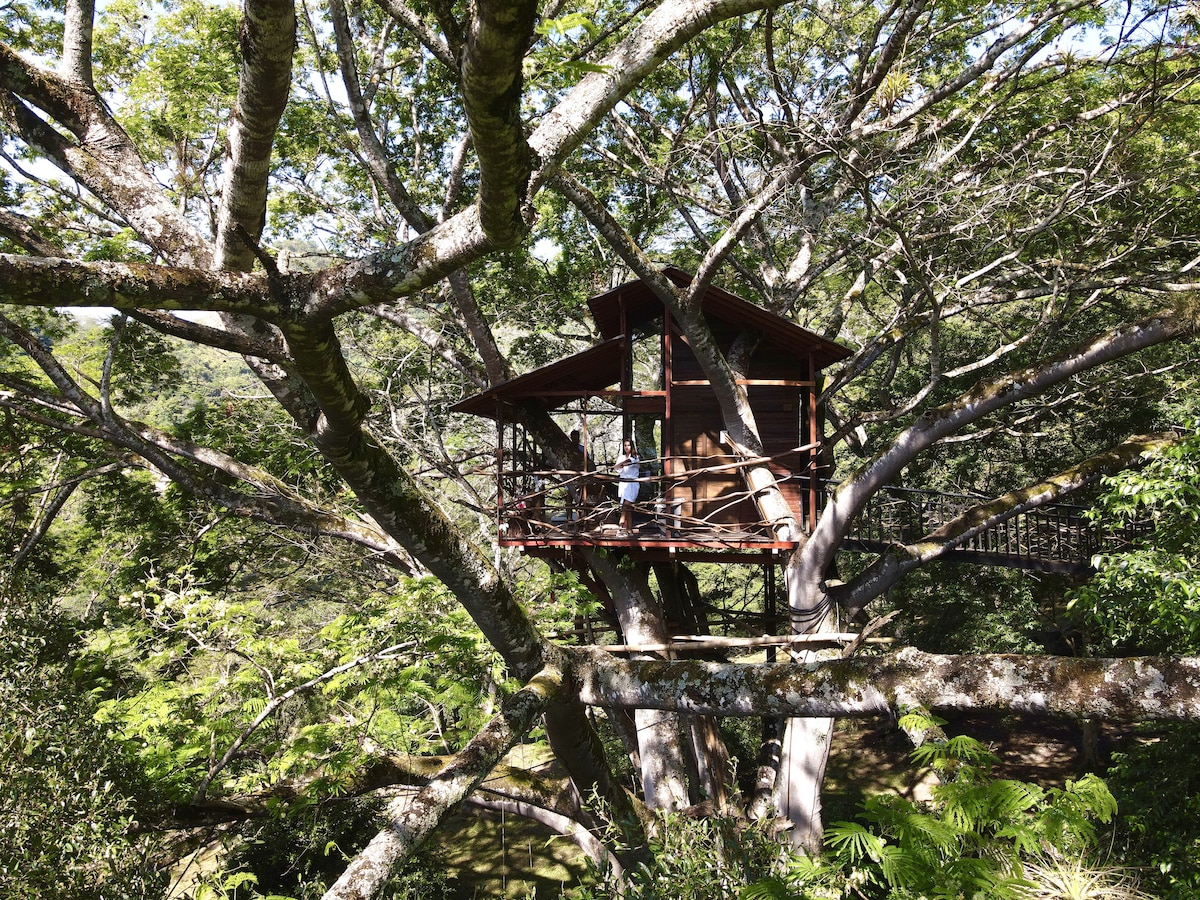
x=853, y=842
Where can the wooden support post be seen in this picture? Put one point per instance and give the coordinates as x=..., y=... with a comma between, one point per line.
x=813, y=437
x=499, y=467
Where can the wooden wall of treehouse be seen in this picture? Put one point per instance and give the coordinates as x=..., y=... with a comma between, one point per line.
x=784, y=413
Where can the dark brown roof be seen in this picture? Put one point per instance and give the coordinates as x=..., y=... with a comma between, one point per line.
x=592, y=370
x=642, y=305
x=600, y=367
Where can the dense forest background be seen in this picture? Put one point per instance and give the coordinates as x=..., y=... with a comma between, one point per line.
x=259, y=638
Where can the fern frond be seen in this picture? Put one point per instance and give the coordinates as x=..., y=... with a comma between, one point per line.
x=901, y=868
x=853, y=843
x=1008, y=797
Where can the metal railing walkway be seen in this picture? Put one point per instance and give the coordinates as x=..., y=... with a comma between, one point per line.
x=1052, y=538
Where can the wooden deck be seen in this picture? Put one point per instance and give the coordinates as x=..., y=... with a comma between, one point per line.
x=1055, y=538
x=652, y=539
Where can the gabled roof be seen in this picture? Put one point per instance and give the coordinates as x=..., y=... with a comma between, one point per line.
x=592, y=370
x=599, y=368
x=641, y=305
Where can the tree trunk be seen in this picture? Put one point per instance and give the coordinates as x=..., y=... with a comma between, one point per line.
x=663, y=764
x=762, y=800
x=713, y=768
x=802, y=763
x=806, y=742
x=1091, y=745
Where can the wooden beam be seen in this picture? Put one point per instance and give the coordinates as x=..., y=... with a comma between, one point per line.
x=691, y=642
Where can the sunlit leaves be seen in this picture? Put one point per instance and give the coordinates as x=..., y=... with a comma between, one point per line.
x=70, y=796
x=173, y=76
x=31, y=25
x=202, y=667
x=561, y=36
x=976, y=833
x=1146, y=598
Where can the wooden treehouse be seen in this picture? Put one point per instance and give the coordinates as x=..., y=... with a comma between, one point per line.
x=644, y=383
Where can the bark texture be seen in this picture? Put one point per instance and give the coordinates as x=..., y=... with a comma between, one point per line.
x=97, y=153
x=412, y=818
x=268, y=41
x=500, y=33
x=797, y=796
x=28, y=281
x=1131, y=689
x=663, y=764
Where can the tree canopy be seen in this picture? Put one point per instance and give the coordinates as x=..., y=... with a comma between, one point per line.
x=271, y=546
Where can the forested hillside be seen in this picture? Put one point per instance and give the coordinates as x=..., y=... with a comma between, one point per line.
x=264, y=628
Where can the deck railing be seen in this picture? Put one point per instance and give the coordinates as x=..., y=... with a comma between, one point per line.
x=564, y=502
x=555, y=504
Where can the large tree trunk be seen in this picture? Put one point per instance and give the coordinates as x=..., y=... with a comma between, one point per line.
x=660, y=749
x=712, y=769
x=802, y=763
x=805, y=748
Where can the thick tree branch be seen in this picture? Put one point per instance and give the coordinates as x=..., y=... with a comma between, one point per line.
x=428, y=38
x=893, y=565
x=222, y=339
x=851, y=495
x=22, y=232
x=104, y=160
x=497, y=39
x=460, y=239
x=37, y=281
x=268, y=40
x=77, y=41
x=1134, y=689
x=404, y=510
x=412, y=819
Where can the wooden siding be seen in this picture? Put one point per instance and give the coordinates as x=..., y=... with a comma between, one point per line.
x=697, y=425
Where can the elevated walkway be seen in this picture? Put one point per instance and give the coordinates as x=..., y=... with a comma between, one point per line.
x=1052, y=538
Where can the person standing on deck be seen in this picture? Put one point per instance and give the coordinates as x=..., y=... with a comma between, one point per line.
x=628, y=471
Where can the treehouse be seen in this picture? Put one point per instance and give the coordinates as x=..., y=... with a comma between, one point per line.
x=643, y=382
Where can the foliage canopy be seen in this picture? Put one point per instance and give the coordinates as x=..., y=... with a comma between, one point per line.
x=255, y=552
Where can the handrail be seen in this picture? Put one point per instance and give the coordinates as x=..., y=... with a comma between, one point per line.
x=561, y=503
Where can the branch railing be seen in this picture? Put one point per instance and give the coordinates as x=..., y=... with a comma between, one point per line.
x=553, y=503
